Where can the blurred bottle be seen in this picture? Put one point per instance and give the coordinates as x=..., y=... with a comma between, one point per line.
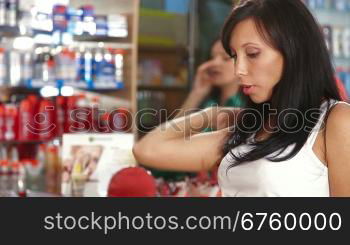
x=83, y=115
x=4, y=172
x=62, y=61
x=108, y=69
x=97, y=67
x=59, y=18
x=80, y=65
x=119, y=67
x=14, y=67
x=35, y=171
x=12, y=12
x=2, y=12
x=2, y=122
x=69, y=122
x=26, y=68
x=47, y=127
x=52, y=170
x=60, y=115
x=11, y=122
x=35, y=102
x=16, y=187
x=3, y=73
x=88, y=68
x=89, y=25
x=26, y=121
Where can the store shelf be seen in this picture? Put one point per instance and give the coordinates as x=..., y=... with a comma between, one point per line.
x=163, y=49
x=18, y=142
x=116, y=45
x=9, y=31
x=107, y=39
x=162, y=88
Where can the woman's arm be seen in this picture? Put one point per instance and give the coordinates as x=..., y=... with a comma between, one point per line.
x=338, y=150
x=178, y=145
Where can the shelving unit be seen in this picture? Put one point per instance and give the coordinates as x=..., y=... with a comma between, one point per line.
x=125, y=93
x=334, y=18
x=167, y=52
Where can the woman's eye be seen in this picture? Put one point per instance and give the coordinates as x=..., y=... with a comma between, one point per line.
x=253, y=55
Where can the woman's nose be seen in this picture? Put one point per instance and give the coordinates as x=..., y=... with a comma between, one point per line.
x=240, y=68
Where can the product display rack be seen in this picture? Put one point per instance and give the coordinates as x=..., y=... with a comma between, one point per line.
x=334, y=19
x=127, y=91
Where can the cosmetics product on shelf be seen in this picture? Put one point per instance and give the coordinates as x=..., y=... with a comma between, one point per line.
x=2, y=122
x=12, y=12
x=47, y=127
x=327, y=33
x=117, y=26
x=89, y=25
x=2, y=12
x=75, y=18
x=346, y=42
x=119, y=66
x=26, y=68
x=14, y=67
x=11, y=122
x=59, y=18
x=26, y=115
x=101, y=25
x=3, y=73
x=337, y=36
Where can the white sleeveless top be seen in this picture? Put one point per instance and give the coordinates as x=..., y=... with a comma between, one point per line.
x=303, y=175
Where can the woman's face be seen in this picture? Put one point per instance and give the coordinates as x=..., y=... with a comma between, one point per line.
x=221, y=70
x=257, y=65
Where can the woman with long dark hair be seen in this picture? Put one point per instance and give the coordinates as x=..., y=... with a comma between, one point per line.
x=293, y=136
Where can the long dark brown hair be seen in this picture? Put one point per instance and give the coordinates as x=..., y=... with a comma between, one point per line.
x=307, y=78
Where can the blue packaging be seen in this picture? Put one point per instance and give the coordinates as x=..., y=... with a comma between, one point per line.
x=59, y=18
x=101, y=25
x=75, y=18
x=97, y=67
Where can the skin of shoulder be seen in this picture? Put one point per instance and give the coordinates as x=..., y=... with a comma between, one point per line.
x=338, y=150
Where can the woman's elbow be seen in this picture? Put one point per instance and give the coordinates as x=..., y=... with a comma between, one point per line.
x=141, y=153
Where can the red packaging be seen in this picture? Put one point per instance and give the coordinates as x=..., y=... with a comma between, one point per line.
x=46, y=120
x=104, y=126
x=11, y=122
x=70, y=122
x=61, y=115
x=2, y=122
x=83, y=115
x=35, y=103
x=26, y=130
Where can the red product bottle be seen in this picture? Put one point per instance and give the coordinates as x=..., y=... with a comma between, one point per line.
x=46, y=120
x=61, y=115
x=26, y=128
x=83, y=115
x=11, y=122
x=35, y=103
x=70, y=121
x=2, y=122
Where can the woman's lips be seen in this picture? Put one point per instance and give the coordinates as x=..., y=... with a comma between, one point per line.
x=248, y=89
